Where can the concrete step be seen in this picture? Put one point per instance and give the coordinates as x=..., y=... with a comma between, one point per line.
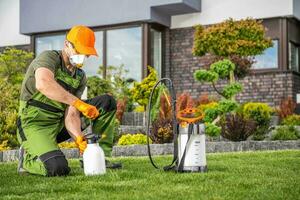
x=133, y=119
x=132, y=129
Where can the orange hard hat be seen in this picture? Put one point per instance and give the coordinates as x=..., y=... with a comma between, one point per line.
x=83, y=39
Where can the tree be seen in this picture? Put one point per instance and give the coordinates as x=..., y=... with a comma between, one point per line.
x=13, y=63
x=243, y=38
x=225, y=41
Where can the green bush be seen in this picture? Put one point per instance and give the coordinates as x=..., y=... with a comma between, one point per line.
x=114, y=83
x=206, y=76
x=292, y=120
x=236, y=127
x=259, y=112
x=260, y=132
x=141, y=91
x=286, y=133
x=212, y=130
x=13, y=64
x=98, y=86
x=9, y=112
x=128, y=139
x=4, y=145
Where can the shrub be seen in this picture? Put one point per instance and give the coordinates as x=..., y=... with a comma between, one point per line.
x=203, y=107
x=4, y=145
x=204, y=99
x=98, y=86
x=115, y=83
x=236, y=127
x=260, y=132
x=141, y=91
x=121, y=108
x=139, y=109
x=8, y=112
x=13, y=64
x=291, y=120
x=286, y=108
x=67, y=145
x=259, y=112
x=286, y=133
x=184, y=101
x=128, y=139
x=161, y=106
x=212, y=129
x=162, y=131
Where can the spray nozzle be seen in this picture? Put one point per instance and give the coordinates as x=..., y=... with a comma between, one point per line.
x=90, y=137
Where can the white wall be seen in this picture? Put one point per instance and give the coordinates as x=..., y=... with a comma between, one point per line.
x=10, y=23
x=296, y=8
x=215, y=11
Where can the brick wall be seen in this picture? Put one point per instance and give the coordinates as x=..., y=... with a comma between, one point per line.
x=180, y=64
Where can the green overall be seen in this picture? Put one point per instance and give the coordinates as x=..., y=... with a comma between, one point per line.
x=41, y=123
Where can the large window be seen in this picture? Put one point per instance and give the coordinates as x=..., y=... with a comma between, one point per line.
x=268, y=59
x=124, y=48
x=92, y=64
x=294, y=57
x=156, y=50
x=56, y=42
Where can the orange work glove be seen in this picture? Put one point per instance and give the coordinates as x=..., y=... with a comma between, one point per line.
x=86, y=109
x=81, y=144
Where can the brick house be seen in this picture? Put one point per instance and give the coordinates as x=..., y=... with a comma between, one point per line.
x=160, y=33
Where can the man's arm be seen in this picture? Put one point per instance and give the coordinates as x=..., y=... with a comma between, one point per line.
x=73, y=122
x=46, y=84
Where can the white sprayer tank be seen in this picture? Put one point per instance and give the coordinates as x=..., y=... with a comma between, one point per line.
x=93, y=159
x=195, y=156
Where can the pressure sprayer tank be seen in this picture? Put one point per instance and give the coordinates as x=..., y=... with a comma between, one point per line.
x=93, y=158
x=195, y=152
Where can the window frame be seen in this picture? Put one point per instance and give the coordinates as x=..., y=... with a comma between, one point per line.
x=145, y=42
x=268, y=69
x=288, y=57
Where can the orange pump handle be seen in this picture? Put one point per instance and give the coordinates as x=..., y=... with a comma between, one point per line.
x=182, y=115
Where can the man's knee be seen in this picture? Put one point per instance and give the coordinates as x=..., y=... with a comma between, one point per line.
x=106, y=102
x=55, y=163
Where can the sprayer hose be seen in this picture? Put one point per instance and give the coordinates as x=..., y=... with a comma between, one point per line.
x=174, y=121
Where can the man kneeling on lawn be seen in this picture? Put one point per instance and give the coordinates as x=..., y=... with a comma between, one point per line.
x=51, y=110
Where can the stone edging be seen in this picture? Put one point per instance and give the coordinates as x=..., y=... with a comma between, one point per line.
x=165, y=149
x=211, y=147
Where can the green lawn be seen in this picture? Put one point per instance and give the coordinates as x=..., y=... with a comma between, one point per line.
x=251, y=175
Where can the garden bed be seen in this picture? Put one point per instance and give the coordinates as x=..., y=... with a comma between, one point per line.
x=251, y=175
x=166, y=149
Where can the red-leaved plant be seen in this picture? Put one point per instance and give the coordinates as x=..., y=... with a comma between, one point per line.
x=286, y=108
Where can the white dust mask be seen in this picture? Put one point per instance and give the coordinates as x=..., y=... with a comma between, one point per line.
x=77, y=60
